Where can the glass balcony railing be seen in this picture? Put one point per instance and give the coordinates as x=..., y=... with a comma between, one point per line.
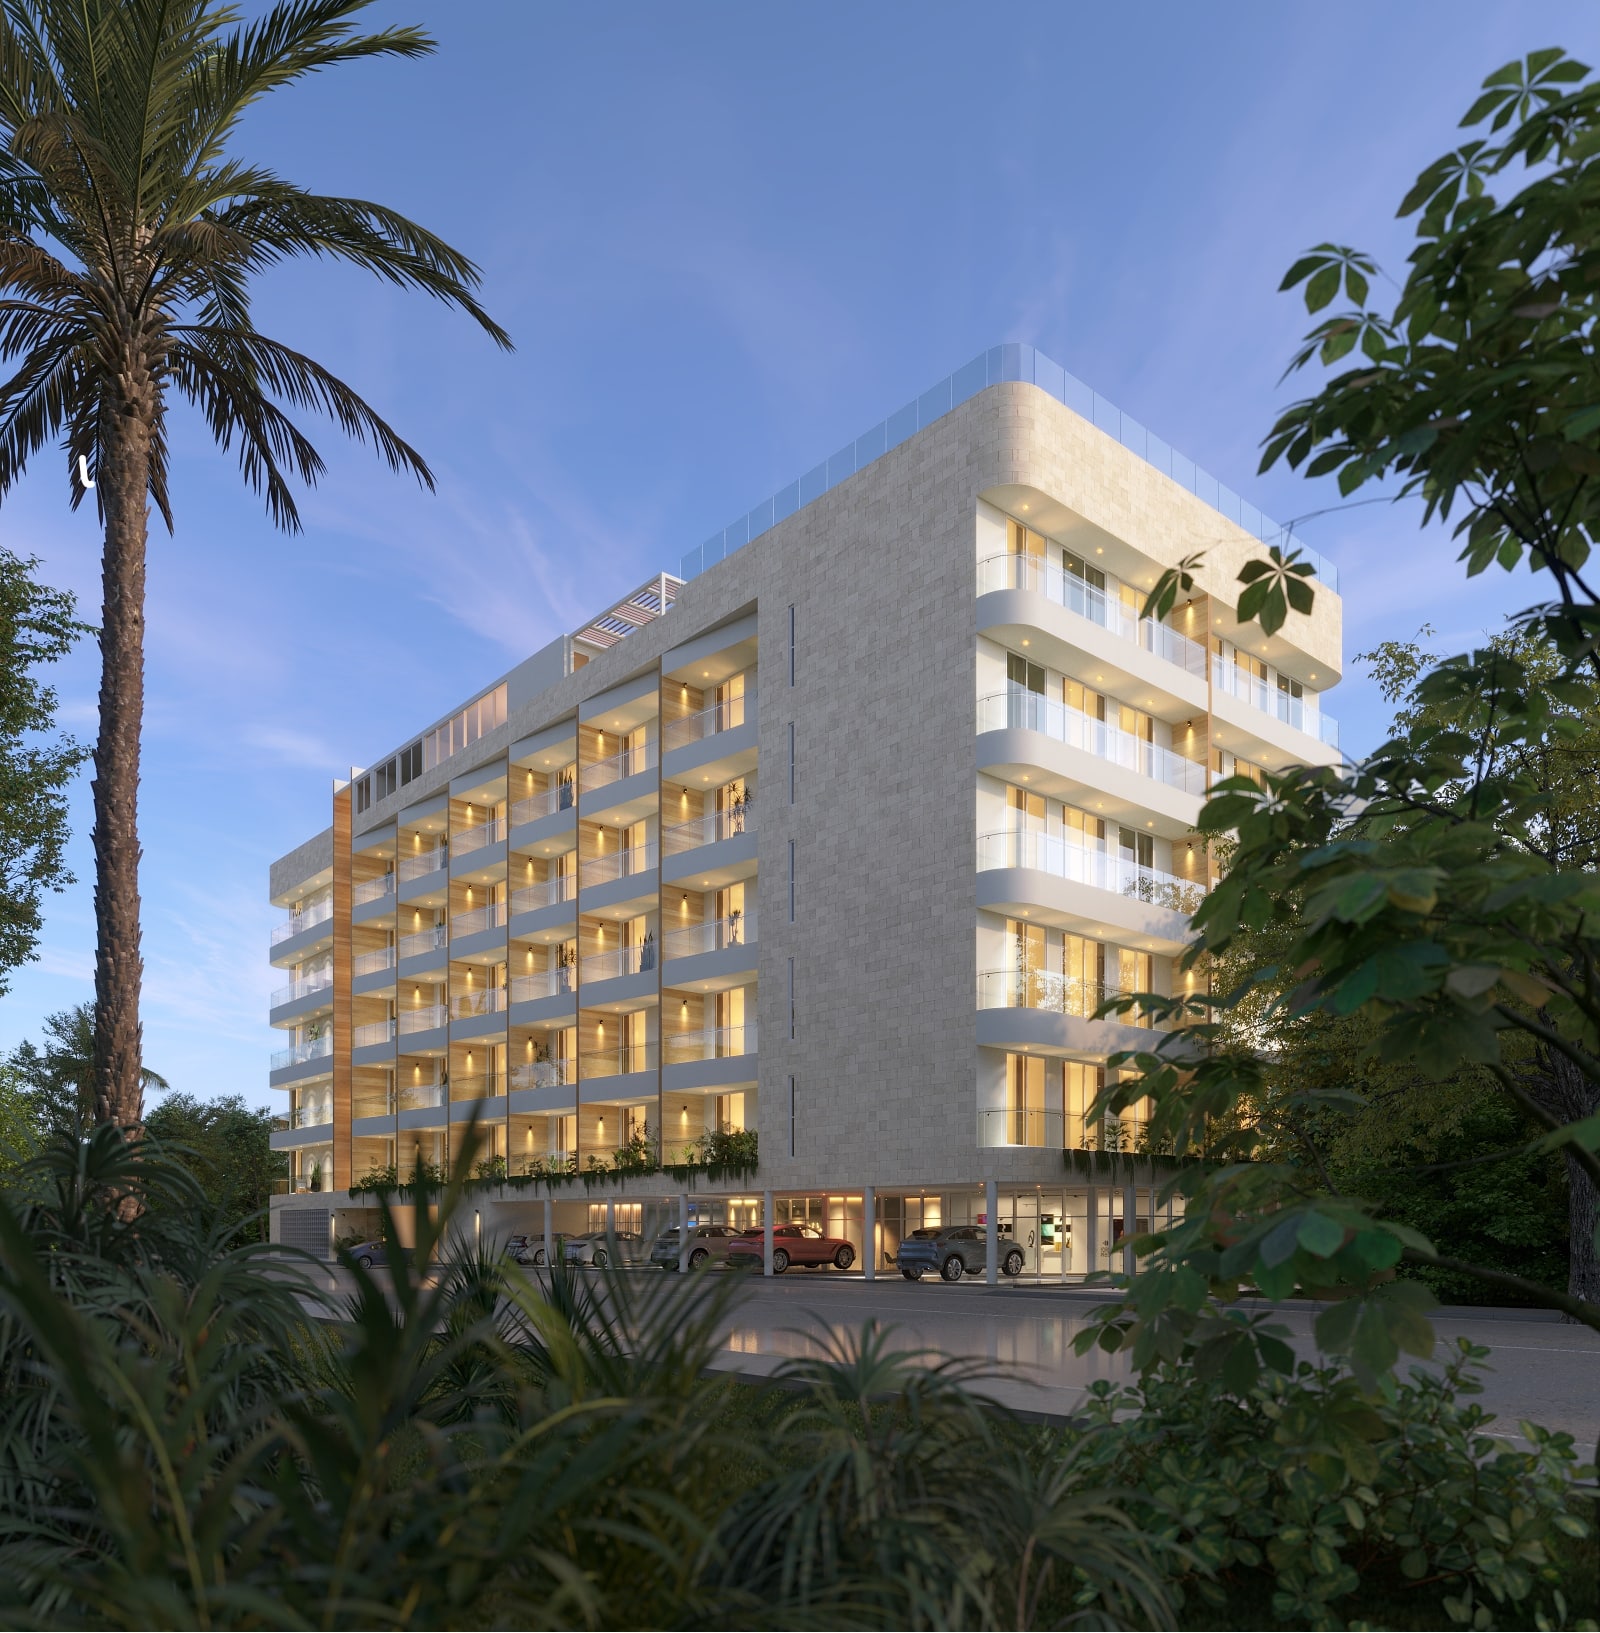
x=995, y=366
x=615, y=962
x=708, y=829
x=421, y=1018
x=601, y=870
x=1016, y=709
x=315, y=1115
x=415, y=864
x=302, y=987
x=543, y=1074
x=1011, y=572
x=1293, y=711
x=707, y=722
x=541, y=984
x=372, y=1103
x=364, y=1037
x=420, y=1096
x=714, y=1043
x=431, y=940
x=477, y=1086
x=298, y=1054
x=1105, y=870
x=465, y=1006
x=372, y=890
x=639, y=1057
x=737, y=930
x=477, y=838
x=628, y=763
x=545, y=893
x=369, y=963
x=491, y=916
x=1044, y=989
x=560, y=798
x=1055, y=1130
x=314, y=914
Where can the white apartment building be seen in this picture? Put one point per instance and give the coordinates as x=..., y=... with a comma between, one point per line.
x=838, y=837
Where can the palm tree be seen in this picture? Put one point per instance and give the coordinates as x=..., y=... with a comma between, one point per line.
x=129, y=237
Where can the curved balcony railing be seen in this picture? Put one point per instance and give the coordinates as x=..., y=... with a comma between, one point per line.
x=415, y=864
x=299, y=1053
x=543, y=1074
x=619, y=961
x=1031, y=1126
x=601, y=870
x=1009, y=572
x=1044, y=989
x=713, y=1043
x=1020, y=710
x=542, y=984
x=373, y=1032
x=476, y=838
x=544, y=893
x=1293, y=711
x=302, y=987
x=475, y=920
x=736, y=930
x=707, y=722
x=369, y=963
x=431, y=940
x=708, y=829
x=1105, y=870
x=421, y=1018
x=372, y=890
x=639, y=1057
x=560, y=798
x=631, y=761
x=316, y=913
x=465, y=1006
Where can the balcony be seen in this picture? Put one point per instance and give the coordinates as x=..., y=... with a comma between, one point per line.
x=290, y=1061
x=625, y=785
x=301, y=997
x=716, y=849
x=637, y=1062
x=1098, y=893
x=715, y=1058
x=423, y=943
x=313, y=1116
x=418, y=864
x=542, y=1074
x=421, y=1096
x=475, y=839
x=371, y=963
x=479, y=930
x=1019, y=710
x=719, y=739
x=692, y=728
x=1047, y=1013
x=372, y=890
x=1044, y=989
x=298, y=924
x=470, y=1090
x=999, y=1127
x=536, y=807
x=421, y=1018
x=617, y=962
x=535, y=898
x=689, y=941
x=373, y=1033
x=1009, y=572
x=704, y=956
x=542, y=996
x=1295, y=712
x=484, y=1003
x=621, y=877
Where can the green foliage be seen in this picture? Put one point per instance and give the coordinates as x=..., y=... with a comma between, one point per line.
x=58, y=1079
x=37, y=627
x=228, y=1148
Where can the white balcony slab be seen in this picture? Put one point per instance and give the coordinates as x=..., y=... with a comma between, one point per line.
x=625, y=800
x=710, y=867
x=558, y=1008
x=712, y=971
x=716, y=758
x=317, y=1001
x=547, y=835
x=620, y=1087
x=621, y=898
x=1085, y=909
x=560, y=1097
x=296, y=948
x=480, y=943
x=491, y=1110
x=1043, y=1031
x=618, y=992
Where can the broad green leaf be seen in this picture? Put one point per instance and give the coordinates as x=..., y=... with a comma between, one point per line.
x=1320, y=1236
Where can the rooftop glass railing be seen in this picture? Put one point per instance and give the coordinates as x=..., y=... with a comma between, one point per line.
x=560, y=798
x=600, y=870
x=414, y=864
x=601, y=773
x=298, y=1054
x=476, y=838
x=707, y=722
x=369, y=963
x=736, y=930
x=708, y=829
x=544, y=893
x=996, y=366
x=1045, y=989
x=316, y=913
x=712, y=1043
x=1020, y=710
x=1009, y=572
x=372, y=890
x=1105, y=870
x=419, y=942
x=1293, y=711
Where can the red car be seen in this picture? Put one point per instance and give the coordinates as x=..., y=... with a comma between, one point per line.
x=793, y=1244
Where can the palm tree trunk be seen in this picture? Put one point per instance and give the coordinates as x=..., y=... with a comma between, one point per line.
x=119, y=965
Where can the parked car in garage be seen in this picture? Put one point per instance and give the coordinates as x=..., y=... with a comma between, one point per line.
x=706, y=1242
x=601, y=1248
x=369, y=1255
x=793, y=1244
x=954, y=1251
x=528, y=1251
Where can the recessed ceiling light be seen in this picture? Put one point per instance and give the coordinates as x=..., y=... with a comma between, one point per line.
x=1025, y=643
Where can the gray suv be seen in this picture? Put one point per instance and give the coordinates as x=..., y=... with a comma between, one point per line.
x=953, y=1251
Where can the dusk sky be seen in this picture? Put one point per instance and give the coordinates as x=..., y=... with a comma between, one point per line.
x=725, y=239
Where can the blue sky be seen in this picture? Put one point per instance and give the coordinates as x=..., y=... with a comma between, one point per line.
x=725, y=239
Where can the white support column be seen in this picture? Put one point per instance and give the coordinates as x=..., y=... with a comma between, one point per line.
x=1130, y=1224
x=683, y=1230
x=611, y=1216
x=766, y=1233
x=549, y=1234
x=1092, y=1245
x=991, y=1232
x=869, y=1233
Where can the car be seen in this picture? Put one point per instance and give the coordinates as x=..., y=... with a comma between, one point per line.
x=528, y=1250
x=793, y=1244
x=601, y=1248
x=706, y=1243
x=954, y=1251
x=369, y=1255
